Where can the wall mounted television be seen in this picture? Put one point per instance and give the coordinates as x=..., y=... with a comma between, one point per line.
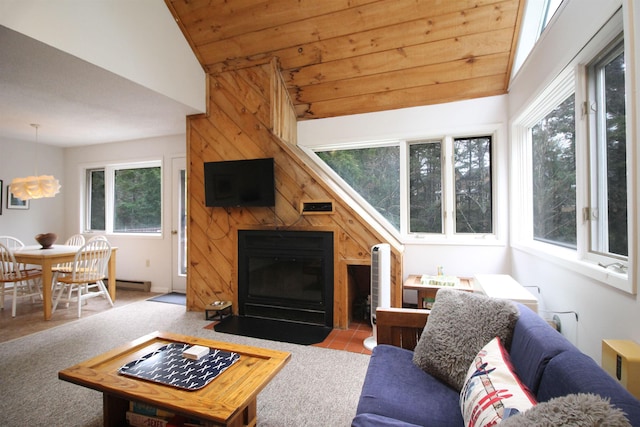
x=236, y=183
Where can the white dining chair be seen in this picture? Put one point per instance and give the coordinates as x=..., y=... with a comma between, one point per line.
x=23, y=283
x=65, y=267
x=11, y=243
x=75, y=240
x=86, y=278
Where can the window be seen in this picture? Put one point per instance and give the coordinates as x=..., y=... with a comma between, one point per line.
x=425, y=187
x=537, y=16
x=96, y=199
x=570, y=158
x=373, y=172
x=608, y=203
x=472, y=163
x=554, y=176
x=125, y=198
x=462, y=187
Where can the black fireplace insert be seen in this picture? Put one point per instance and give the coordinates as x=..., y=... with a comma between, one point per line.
x=286, y=275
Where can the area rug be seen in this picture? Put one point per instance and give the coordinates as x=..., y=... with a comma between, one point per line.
x=274, y=330
x=171, y=298
x=319, y=387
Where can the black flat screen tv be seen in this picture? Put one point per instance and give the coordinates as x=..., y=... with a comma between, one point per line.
x=238, y=183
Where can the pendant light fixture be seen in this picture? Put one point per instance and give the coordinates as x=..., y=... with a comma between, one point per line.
x=35, y=187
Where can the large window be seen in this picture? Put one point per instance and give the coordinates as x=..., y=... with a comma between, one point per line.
x=441, y=198
x=373, y=172
x=571, y=202
x=124, y=198
x=554, y=176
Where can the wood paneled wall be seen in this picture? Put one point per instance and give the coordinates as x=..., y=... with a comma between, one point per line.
x=250, y=116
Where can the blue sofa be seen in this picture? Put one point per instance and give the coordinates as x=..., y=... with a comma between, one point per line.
x=398, y=393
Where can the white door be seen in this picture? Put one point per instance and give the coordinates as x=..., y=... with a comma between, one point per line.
x=179, y=224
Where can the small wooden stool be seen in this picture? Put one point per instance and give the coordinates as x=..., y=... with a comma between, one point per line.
x=218, y=310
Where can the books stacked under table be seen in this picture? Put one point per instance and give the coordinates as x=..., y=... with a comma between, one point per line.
x=141, y=415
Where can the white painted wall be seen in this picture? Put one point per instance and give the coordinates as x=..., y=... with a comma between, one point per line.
x=138, y=40
x=603, y=312
x=18, y=159
x=431, y=120
x=133, y=251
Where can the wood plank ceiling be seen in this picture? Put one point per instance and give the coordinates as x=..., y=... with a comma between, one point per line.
x=341, y=57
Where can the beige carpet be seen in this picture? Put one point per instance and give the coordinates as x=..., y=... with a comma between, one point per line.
x=317, y=388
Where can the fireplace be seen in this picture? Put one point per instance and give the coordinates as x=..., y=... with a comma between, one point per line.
x=286, y=275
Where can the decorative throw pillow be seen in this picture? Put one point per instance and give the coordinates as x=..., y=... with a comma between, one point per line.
x=492, y=391
x=575, y=410
x=459, y=325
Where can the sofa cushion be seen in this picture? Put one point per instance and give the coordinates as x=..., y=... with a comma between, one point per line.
x=395, y=388
x=375, y=420
x=534, y=344
x=459, y=325
x=573, y=372
x=575, y=410
x=492, y=392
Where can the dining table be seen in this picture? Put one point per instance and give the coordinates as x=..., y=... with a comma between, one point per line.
x=46, y=258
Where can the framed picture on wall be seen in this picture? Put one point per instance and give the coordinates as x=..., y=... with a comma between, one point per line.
x=14, y=203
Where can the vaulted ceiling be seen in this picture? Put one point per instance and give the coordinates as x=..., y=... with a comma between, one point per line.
x=341, y=57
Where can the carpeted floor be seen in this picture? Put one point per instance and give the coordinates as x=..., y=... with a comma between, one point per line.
x=274, y=330
x=318, y=387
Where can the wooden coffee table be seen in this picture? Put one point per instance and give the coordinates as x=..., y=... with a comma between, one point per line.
x=229, y=400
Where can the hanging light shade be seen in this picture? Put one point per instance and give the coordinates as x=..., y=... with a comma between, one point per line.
x=35, y=187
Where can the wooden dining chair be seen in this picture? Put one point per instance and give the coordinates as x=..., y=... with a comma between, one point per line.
x=23, y=283
x=86, y=278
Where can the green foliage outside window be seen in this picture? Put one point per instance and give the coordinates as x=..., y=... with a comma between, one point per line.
x=473, y=184
x=137, y=205
x=374, y=173
x=616, y=155
x=97, y=218
x=425, y=187
x=554, y=176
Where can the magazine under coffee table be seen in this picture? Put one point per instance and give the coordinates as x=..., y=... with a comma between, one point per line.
x=229, y=400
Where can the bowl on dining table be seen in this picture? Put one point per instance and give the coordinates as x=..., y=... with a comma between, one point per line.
x=46, y=240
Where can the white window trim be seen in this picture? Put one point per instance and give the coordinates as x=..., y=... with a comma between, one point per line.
x=109, y=169
x=579, y=261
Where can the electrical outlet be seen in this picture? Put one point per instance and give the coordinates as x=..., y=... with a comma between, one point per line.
x=556, y=320
x=148, y=263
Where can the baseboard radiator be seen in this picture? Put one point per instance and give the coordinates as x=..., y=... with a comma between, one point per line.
x=135, y=285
